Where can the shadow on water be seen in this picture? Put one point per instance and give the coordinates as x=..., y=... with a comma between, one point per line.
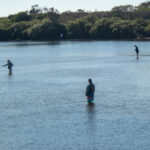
x=143, y=55
x=91, y=124
x=10, y=76
x=40, y=43
x=91, y=115
x=90, y=107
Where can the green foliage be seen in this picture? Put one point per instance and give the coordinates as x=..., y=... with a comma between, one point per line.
x=4, y=34
x=71, y=16
x=122, y=22
x=124, y=12
x=35, y=9
x=53, y=16
x=21, y=16
x=40, y=16
x=123, y=29
x=101, y=29
x=45, y=30
x=18, y=31
x=142, y=12
x=78, y=30
x=5, y=23
x=145, y=4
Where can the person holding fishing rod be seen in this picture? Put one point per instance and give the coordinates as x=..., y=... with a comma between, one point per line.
x=10, y=65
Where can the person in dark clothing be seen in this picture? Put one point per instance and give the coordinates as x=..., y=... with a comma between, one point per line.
x=137, y=51
x=90, y=89
x=10, y=65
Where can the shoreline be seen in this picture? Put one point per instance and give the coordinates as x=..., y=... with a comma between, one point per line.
x=59, y=40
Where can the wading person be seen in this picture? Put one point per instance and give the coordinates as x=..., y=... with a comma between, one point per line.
x=10, y=65
x=90, y=89
x=137, y=51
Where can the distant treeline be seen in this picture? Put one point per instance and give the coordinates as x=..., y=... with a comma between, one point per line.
x=122, y=22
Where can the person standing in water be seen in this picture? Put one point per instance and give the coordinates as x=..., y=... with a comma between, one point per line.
x=90, y=89
x=137, y=51
x=10, y=65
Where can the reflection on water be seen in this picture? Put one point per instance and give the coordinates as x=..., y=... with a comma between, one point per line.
x=91, y=125
x=91, y=117
x=90, y=107
x=29, y=43
x=43, y=102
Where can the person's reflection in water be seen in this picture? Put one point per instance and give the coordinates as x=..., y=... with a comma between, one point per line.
x=90, y=107
x=91, y=115
x=91, y=126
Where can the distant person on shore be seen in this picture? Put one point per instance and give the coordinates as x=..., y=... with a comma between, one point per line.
x=137, y=51
x=61, y=35
x=90, y=89
x=10, y=65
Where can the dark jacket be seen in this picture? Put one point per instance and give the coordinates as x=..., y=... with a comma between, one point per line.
x=136, y=49
x=90, y=90
x=10, y=64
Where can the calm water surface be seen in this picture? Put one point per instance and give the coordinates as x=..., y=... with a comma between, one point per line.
x=43, y=106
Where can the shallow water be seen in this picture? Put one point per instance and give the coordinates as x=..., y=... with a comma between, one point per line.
x=43, y=106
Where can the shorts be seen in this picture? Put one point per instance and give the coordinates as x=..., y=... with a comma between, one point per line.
x=90, y=99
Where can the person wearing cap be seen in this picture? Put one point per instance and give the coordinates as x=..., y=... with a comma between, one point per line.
x=10, y=65
x=90, y=89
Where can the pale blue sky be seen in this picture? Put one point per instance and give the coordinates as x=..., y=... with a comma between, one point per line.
x=13, y=6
